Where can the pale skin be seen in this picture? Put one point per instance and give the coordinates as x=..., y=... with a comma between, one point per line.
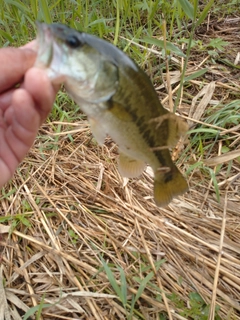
x=22, y=109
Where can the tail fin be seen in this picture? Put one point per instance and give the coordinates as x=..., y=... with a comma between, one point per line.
x=168, y=186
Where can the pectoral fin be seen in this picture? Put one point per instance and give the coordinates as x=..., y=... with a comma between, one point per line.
x=178, y=128
x=97, y=130
x=129, y=167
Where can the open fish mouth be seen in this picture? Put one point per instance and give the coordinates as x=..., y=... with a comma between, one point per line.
x=49, y=55
x=45, y=45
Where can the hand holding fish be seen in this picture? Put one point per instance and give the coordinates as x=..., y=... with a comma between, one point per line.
x=23, y=106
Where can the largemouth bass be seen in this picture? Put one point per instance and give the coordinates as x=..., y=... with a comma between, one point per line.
x=119, y=100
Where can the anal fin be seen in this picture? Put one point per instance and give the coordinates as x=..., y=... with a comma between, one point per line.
x=129, y=167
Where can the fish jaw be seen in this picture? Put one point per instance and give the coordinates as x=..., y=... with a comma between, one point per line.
x=49, y=54
x=45, y=46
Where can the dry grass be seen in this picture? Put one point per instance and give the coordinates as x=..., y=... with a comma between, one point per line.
x=80, y=210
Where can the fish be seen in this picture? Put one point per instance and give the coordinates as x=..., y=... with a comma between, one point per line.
x=119, y=100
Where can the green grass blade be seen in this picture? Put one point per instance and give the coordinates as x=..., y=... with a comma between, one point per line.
x=123, y=286
x=196, y=165
x=187, y=8
x=204, y=12
x=18, y=5
x=112, y=280
x=204, y=130
x=131, y=308
x=5, y=219
x=160, y=43
x=215, y=183
x=117, y=27
x=196, y=74
x=45, y=12
x=195, y=9
x=34, y=8
x=6, y=35
x=32, y=310
x=143, y=286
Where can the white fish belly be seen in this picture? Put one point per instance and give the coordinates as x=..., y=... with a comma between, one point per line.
x=128, y=138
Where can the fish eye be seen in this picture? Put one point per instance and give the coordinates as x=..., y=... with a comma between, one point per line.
x=73, y=42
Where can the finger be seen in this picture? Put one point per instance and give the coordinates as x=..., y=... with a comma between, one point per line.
x=23, y=123
x=30, y=45
x=14, y=63
x=5, y=99
x=39, y=86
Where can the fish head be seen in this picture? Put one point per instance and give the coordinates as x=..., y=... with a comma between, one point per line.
x=70, y=59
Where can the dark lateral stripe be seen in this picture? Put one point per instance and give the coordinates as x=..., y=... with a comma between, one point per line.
x=168, y=176
x=109, y=103
x=161, y=158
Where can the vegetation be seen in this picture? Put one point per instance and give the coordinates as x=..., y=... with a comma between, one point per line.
x=77, y=241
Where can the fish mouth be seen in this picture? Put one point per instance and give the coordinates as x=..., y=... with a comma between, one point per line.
x=49, y=54
x=45, y=45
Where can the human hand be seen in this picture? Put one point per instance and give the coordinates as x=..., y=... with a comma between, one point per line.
x=23, y=109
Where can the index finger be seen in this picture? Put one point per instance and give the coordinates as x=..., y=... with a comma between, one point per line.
x=14, y=63
x=30, y=45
